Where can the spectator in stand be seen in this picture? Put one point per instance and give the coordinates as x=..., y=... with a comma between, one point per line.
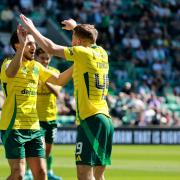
x=6, y=18
x=141, y=56
x=144, y=89
x=127, y=88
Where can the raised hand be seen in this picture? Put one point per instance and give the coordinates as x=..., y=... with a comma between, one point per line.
x=22, y=34
x=69, y=24
x=27, y=22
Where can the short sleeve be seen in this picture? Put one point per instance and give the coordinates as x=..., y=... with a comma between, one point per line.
x=74, y=53
x=44, y=73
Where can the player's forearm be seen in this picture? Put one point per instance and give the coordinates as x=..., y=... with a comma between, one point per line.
x=45, y=43
x=16, y=62
x=65, y=77
x=62, y=79
x=53, y=89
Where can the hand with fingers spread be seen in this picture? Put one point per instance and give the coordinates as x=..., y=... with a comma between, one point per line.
x=69, y=24
x=27, y=22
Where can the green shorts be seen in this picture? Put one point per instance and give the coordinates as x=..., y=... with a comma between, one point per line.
x=49, y=130
x=20, y=144
x=94, y=141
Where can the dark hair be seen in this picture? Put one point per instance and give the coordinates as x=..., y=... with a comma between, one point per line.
x=14, y=40
x=39, y=51
x=86, y=31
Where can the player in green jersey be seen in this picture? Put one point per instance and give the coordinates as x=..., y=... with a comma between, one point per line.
x=90, y=76
x=47, y=95
x=19, y=124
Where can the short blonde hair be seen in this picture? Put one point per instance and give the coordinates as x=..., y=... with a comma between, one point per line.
x=86, y=31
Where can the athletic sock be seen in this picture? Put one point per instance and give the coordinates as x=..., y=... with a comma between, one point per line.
x=49, y=162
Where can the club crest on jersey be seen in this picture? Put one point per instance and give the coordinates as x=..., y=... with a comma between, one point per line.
x=35, y=71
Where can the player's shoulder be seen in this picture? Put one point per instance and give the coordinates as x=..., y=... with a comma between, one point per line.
x=38, y=66
x=80, y=49
x=3, y=65
x=37, y=63
x=98, y=48
x=6, y=61
x=86, y=51
x=99, y=52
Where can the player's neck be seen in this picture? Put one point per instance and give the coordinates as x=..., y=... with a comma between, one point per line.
x=85, y=43
x=26, y=59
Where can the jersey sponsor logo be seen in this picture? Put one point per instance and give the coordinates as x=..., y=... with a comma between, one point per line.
x=29, y=92
x=44, y=94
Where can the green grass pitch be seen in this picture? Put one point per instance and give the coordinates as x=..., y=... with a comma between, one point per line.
x=129, y=162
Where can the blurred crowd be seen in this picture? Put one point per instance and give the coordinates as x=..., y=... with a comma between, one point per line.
x=142, y=107
x=142, y=39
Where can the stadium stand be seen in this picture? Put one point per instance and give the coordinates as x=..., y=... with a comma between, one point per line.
x=143, y=43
